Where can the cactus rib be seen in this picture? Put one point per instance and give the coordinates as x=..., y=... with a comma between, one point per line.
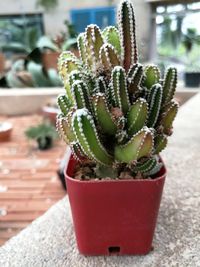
x=119, y=85
x=126, y=18
x=87, y=136
x=169, y=85
x=146, y=166
x=103, y=115
x=155, y=100
x=140, y=145
x=137, y=116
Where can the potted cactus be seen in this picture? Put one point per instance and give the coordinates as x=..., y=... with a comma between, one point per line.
x=116, y=117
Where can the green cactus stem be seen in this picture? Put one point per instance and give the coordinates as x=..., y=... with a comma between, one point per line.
x=137, y=116
x=155, y=170
x=151, y=76
x=65, y=129
x=111, y=35
x=126, y=24
x=68, y=91
x=66, y=55
x=67, y=62
x=146, y=166
x=94, y=41
x=160, y=142
x=108, y=56
x=155, y=101
x=74, y=76
x=100, y=85
x=140, y=145
x=80, y=93
x=64, y=104
x=77, y=151
x=168, y=116
x=135, y=76
x=87, y=136
x=82, y=48
x=120, y=91
x=103, y=114
x=169, y=85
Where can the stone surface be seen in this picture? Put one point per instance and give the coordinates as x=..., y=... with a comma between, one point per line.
x=49, y=241
x=22, y=101
x=15, y=102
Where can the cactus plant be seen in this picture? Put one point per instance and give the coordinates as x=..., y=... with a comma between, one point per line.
x=116, y=112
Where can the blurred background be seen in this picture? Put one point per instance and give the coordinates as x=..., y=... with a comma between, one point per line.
x=167, y=33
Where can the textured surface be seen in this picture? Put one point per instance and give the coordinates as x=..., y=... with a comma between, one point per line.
x=28, y=181
x=27, y=101
x=49, y=241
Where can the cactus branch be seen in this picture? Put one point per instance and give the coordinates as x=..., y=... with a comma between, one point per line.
x=80, y=94
x=160, y=142
x=140, y=145
x=77, y=151
x=87, y=136
x=81, y=47
x=93, y=41
x=169, y=85
x=111, y=35
x=103, y=115
x=126, y=24
x=137, y=116
x=168, y=116
x=108, y=57
x=135, y=76
x=119, y=85
x=155, y=100
x=146, y=166
x=64, y=128
x=64, y=104
x=152, y=76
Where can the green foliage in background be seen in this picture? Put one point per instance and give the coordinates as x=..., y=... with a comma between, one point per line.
x=47, y=4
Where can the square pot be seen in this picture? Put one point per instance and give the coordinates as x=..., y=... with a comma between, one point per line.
x=114, y=216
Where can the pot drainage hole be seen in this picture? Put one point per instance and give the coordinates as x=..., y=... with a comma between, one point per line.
x=114, y=250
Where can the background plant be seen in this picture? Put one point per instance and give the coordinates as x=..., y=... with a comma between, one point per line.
x=116, y=112
x=48, y=5
x=44, y=133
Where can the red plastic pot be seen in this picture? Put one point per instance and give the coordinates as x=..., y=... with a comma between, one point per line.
x=114, y=216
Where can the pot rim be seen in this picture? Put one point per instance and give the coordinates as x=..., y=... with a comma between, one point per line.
x=161, y=175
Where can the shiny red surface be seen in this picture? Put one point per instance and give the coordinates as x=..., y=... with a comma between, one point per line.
x=114, y=217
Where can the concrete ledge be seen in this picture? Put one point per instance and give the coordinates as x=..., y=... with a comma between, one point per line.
x=184, y=95
x=50, y=242
x=25, y=101
x=28, y=100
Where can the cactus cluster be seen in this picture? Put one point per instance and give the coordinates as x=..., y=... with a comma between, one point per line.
x=116, y=112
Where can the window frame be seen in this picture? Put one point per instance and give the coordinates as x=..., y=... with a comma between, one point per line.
x=92, y=12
